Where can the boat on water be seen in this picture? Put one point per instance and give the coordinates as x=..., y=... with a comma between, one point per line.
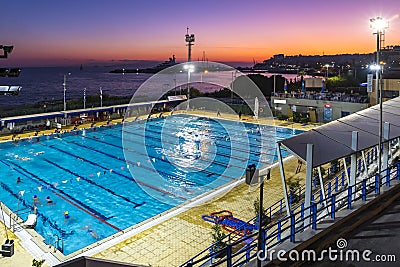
x=166, y=64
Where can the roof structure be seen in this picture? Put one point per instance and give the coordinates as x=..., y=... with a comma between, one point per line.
x=74, y=112
x=333, y=140
x=94, y=262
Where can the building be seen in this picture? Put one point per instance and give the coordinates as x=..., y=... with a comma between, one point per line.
x=318, y=107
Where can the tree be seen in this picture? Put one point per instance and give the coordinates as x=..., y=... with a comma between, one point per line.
x=218, y=236
x=37, y=263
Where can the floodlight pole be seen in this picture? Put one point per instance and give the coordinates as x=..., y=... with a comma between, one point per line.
x=65, y=89
x=327, y=71
x=233, y=80
x=64, y=85
x=188, y=89
x=189, y=38
x=380, y=111
x=379, y=25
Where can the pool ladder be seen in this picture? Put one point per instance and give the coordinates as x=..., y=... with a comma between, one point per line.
x=57, y=243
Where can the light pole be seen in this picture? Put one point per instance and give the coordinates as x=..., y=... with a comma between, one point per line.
x=253, y=177
x=201, y=79
x=233, y=80
x=65, y=89
x=327, y=70
x=379, y=25
x=189, y=68
x=84, y=98
x=175, y=84
x=101, y=97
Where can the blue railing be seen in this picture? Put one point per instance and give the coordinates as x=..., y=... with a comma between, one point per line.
x=339, y=196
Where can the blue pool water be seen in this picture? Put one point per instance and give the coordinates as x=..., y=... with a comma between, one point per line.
x=168, y=162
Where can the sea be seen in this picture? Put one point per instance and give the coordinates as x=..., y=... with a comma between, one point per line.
x=46, y=83
x=42, y=84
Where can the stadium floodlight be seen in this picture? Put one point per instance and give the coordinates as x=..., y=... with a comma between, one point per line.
x=378, y=24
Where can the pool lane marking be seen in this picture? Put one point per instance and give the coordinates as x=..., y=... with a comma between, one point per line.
x=94, y=183
x=128, y=161
x=120, y=174
x=144, y=154
x=115, y=157
x=202, y=159
x=256, y=146
x=23, y=202
x=83, y=206
x=156, y=157
x=218, y=126
x=207, y=160
x=220, y=144
x=218, y=154
x=88, y=212
x=146, y=128
x=215, y=139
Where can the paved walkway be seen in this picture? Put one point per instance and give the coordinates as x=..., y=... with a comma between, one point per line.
x=21, y=257
x=177, y=239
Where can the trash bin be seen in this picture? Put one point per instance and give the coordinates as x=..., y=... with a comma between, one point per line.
x=8, y=248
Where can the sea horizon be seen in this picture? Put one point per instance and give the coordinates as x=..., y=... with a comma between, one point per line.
x=45, y=83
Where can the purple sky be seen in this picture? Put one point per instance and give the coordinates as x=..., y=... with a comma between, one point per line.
x=53, y=32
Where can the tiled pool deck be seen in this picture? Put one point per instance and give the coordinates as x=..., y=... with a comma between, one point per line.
x=174, y=240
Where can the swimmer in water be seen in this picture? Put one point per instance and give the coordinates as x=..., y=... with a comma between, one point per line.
x=19, y=180
x=91, y=231
x=49, y=201
x=67, y=217
x=36, y=200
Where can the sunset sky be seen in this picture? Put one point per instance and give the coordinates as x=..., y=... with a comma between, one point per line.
x=64, y=32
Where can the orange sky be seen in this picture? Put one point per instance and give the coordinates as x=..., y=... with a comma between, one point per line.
x=71, y=32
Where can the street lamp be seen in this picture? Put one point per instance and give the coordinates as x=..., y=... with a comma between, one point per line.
x=327, y=69
x=233, y=80
x=379, y=25
x=253, y=177
x=65, y=89
x=189, y=68
x=201, y=79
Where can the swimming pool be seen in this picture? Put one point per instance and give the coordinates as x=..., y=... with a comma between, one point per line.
x=85, y=172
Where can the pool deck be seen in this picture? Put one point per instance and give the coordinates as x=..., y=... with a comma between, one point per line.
x=172, y=241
